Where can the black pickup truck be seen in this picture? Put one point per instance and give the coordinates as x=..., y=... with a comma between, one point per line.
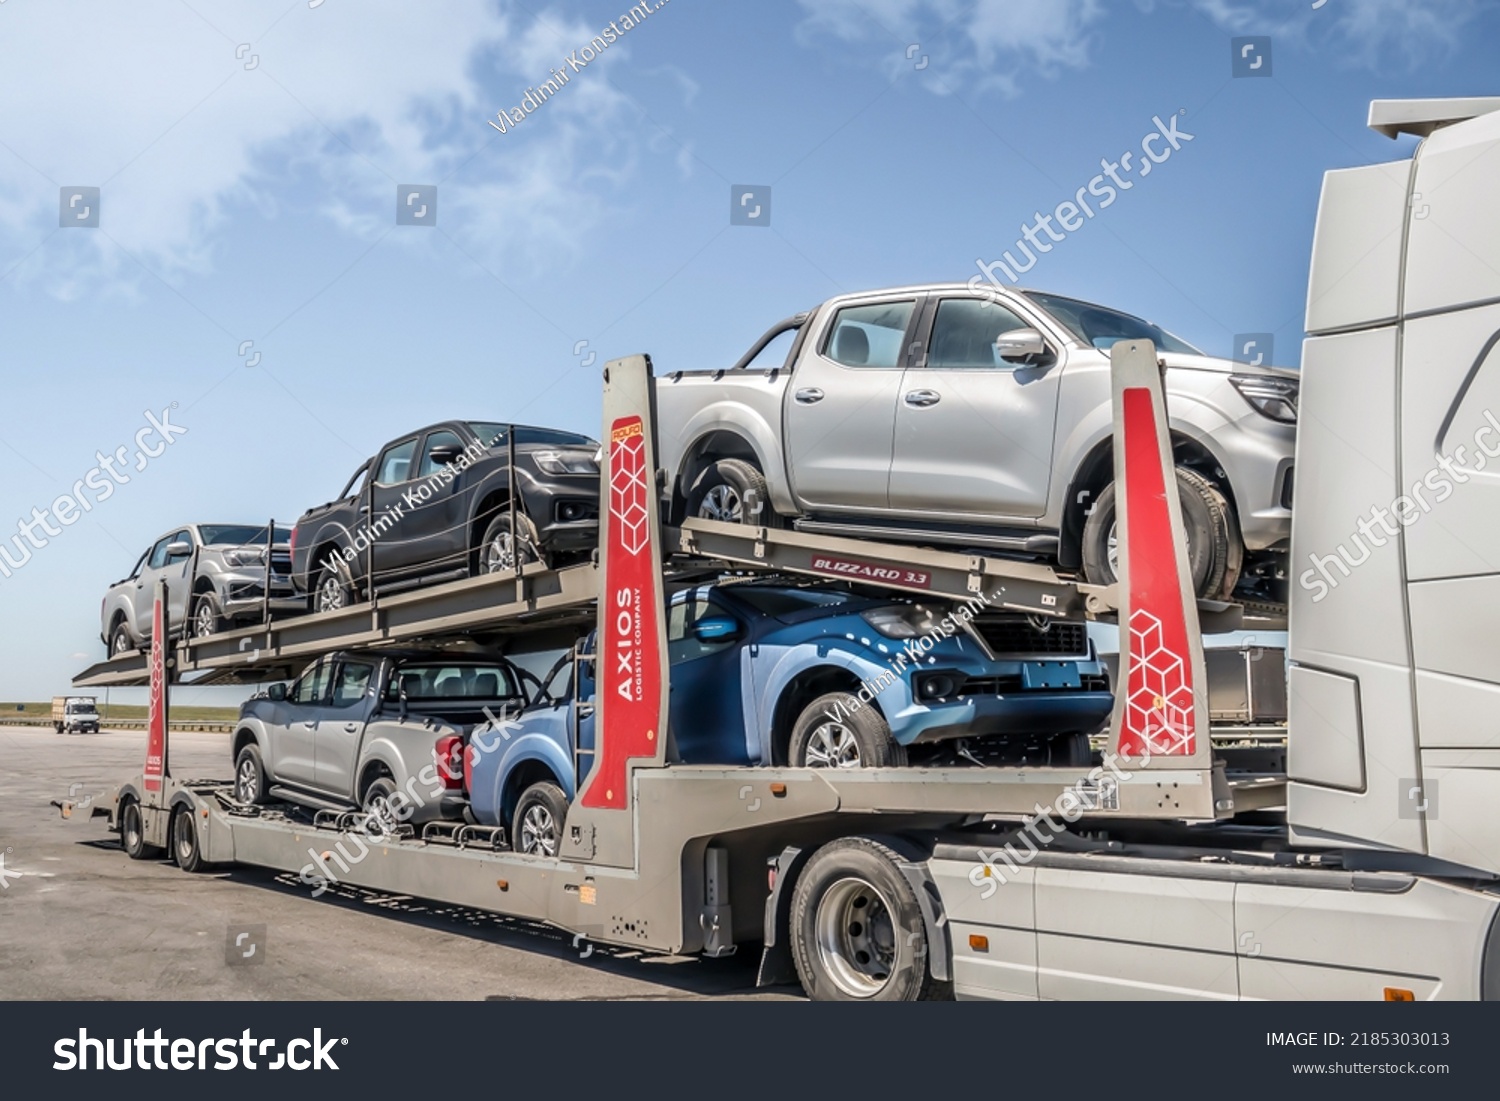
x=442, y=503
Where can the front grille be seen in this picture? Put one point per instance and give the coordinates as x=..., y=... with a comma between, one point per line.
x=1007, y=636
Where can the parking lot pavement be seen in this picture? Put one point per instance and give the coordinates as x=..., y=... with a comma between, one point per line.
x=82, y=921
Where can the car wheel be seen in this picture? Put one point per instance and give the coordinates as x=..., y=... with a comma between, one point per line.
x=733, y=491
x=537, y=825
x=184, y=834
x=120, y=641
x=206, y=618
x=133, y=833
x=250, y=776
x=497, y=551
x=1215, y=550
x=840, y=730
x=856, y=928
x=376, y=801
x=331, y=592
x=1070, y=751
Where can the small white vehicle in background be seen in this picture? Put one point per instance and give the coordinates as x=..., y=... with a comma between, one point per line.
x=75, y=714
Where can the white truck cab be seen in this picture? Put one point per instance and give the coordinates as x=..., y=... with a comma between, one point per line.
x=1395, y=660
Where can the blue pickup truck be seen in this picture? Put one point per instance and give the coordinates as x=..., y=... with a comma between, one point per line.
x=812, y=677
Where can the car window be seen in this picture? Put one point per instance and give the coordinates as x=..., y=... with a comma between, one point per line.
x=158, y=557
x=1101, y=327
x=480, y=681
x=869, y=336
x=312, y=686
x=682, y=645
x=395, y=464
x=350, y=685
x=356, y=483
x=965, y=330
x=443, y=438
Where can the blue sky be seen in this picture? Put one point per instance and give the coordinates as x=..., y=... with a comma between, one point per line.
x=249, y=156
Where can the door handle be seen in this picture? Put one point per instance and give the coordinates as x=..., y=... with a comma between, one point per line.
x=809, y=395
x=310, y=726
x=923, y=398
x=351, y=728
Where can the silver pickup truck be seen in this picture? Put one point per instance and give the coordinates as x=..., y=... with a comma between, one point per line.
x=980, y=417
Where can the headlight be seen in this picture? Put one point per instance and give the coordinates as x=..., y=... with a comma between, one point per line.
x=566, y=462
x=899, y=620
x=244, y=557
x=1270, y=396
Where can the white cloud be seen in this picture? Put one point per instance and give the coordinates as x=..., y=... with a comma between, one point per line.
x=990, y=43
x=149, y=100
x=1368, y=33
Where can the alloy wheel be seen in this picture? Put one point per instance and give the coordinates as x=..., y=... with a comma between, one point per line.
x=538, y=832
x=832, y=745
x=722, y=502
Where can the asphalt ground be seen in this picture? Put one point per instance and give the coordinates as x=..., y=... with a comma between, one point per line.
x=81, y=921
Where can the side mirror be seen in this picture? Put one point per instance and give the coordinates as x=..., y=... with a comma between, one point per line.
x=717, y=628
x=178, y=550
x=444, y=454
x=277, y=692
x=1020, y=344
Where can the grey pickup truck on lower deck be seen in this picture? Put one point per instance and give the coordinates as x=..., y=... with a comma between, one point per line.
x=980, y=417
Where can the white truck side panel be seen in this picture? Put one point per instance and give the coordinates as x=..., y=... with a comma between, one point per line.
x=1123, y=935
x=1455, y=226
x=1308, y=943
x=1355, y=277
x=1348, y=613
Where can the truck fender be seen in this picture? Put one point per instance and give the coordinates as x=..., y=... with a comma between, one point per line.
x=777, y=965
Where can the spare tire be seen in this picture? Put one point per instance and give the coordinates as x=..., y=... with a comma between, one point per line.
x=1215, y=550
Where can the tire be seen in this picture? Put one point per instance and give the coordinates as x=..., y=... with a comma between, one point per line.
x=537, y=826
x=184, y=837
x=250, y=776
x=331, y=593
x=133, y=833
x=1215, y=550
x=861, y=739
x=58, y=727
x=495, y=553
x=121, y=641
x=376, y=797
x=856, y=928
x=731, y=490
x=1070, y=751
x=208, y=620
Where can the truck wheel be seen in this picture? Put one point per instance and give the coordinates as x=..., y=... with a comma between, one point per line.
x=120, y=641
x=331, y=593
x=1215, y=550
x=734, y=491
x=206, y=617
x=133, y=833
x=856, y=928
x=377, y=799
x=497, y=554
x=1070, y=751
x=857, y=738
x=537, y=826
x=250, y=776
x=184, y=834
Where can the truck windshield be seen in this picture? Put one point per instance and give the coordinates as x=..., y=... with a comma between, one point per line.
x=1099, y=327
x=236, y=535
x=493, y=435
